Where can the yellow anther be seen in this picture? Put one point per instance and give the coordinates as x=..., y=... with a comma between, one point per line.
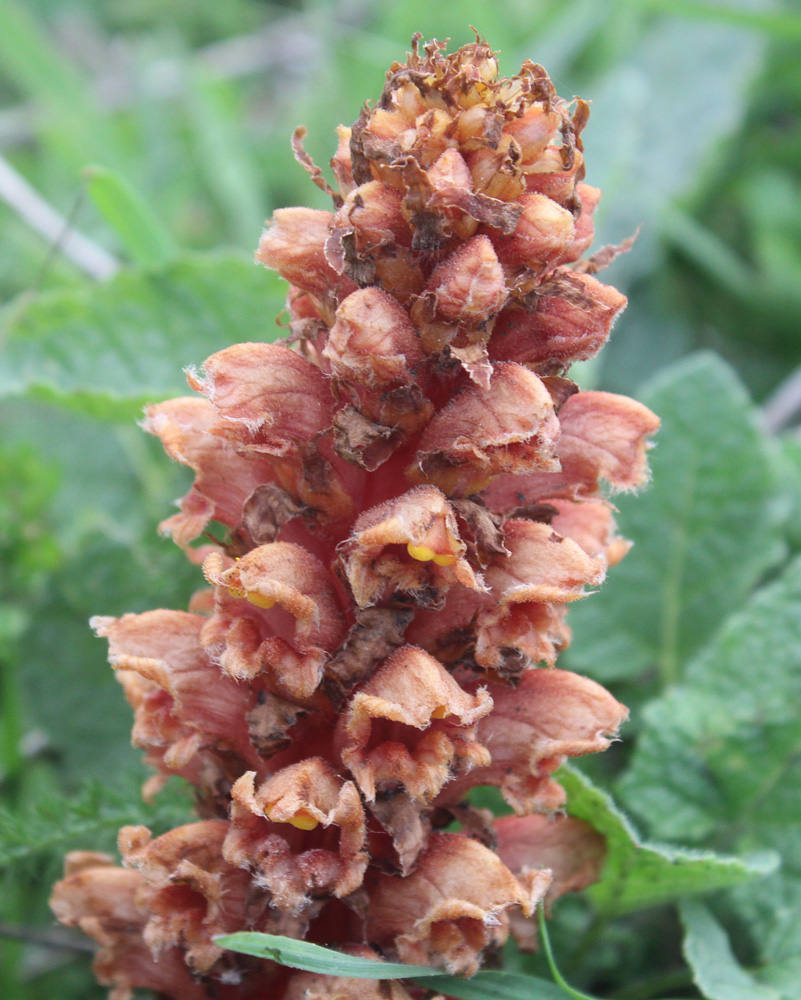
x=236, y=592
x=301, y=820
x=439, y=713
x=259, y=600
x=422, y=553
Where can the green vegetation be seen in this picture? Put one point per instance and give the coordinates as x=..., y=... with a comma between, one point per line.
x=161, y=134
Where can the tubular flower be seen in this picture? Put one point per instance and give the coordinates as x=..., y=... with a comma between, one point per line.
x=411, y=493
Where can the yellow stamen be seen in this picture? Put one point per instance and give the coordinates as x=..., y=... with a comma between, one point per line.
x=259, y=600
x=301, y=820
x=422, y=553
x=236, y=592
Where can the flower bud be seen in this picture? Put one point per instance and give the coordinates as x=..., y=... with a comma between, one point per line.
x=508, y=426
x=544, y=232
x=468, y=288
x=569, y=320
x=294, y=245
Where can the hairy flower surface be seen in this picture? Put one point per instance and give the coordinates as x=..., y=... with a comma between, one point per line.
x=410, y=493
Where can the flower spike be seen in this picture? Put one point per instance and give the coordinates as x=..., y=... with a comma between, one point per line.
x=413, y=493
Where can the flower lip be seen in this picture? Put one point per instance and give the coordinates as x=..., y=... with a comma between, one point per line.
x=451, y=907
x=301, y=833
x=411, y=724
x=411, y=544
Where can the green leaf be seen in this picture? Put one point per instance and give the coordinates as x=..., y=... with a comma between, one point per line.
x=638, y=874
x=67, y=109
x=138, y=227
x=90, y=818
x=647, y=149
x=107, y=350
x=718, y=747
x=784, y=26
x=720, y=757
x=485, y=985
x=705, y=530
x=717, y=973
x=314, y=958
x=491, y=985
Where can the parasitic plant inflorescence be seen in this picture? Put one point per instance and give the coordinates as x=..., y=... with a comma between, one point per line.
x=413, y=492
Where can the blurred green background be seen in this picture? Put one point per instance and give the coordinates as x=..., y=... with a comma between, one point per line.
x=187, y=108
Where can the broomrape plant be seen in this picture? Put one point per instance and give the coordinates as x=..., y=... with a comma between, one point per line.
x=414, y=492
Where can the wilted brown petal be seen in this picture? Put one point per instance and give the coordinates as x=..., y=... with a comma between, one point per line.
x=273, y=396
x=375, y=633
x=569, y=321
x=101, y=900
x=373, y=342
x=605, y=436
x=186, y=703
x=570, y=848
x=411, y=724
x=591, y=525
x=541, y=569
x=468, y=288
x=191, y=893
x=544, y=232
x=294, y=245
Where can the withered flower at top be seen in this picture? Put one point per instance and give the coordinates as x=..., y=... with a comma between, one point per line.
x=414, y=492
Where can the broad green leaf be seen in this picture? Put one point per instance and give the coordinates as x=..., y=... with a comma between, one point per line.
x=107, y=350
x=487, y=985
x=724, y=745
x=68, y=112
x=638, y=874
x=224, y=158
x=791, y=453
x=717, y=973
x=720, y=756
x=775, y=23
x=771, y=909
x=137, y=226
x=704, y=531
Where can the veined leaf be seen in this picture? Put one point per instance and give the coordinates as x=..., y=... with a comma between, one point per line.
x=638, y=874
x=107, y=350
x=721, y=754
x=716, y=747
x=705, y=530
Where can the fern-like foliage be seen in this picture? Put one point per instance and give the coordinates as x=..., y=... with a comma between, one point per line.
x=88, y=819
